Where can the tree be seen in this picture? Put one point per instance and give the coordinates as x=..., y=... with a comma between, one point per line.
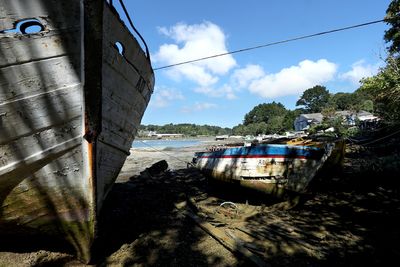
x=275, y=125
x=392, y=35
x=314, y=99
x=264, y=112
x=384, y=89
x=290, y=116
x=187, y=129
x=366, y=105
x=344, y=101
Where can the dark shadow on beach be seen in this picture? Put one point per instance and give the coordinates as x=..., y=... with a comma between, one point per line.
x=141, y=225
x=344, y=222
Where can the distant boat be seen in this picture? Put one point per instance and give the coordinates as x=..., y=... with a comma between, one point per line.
x=74, y=84
x=271, y=168
x=221, y=137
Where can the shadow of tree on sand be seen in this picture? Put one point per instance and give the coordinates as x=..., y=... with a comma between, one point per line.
x=140, y=224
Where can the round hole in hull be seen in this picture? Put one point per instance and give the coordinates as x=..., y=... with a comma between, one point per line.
x=30, y=26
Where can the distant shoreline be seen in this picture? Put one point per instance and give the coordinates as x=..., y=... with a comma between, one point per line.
x=169, y=142
x=177, y=138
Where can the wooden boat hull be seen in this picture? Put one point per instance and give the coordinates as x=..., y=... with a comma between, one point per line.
x=269, y=168
x=70, y=106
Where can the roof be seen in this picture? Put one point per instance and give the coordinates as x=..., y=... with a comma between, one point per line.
x=313, y=116
x=319, y=116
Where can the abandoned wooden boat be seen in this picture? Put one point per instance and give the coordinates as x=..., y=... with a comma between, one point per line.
x=74, y=84
x=271, y=168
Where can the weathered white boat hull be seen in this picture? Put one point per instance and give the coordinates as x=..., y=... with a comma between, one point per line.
x=272, y=169
x=70, y=105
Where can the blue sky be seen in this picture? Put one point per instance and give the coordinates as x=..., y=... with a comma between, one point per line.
x=222, y=90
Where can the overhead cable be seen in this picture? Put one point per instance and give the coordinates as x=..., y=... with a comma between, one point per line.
x=273, y=43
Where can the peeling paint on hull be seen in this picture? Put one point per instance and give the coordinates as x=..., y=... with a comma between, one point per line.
x=70, y=105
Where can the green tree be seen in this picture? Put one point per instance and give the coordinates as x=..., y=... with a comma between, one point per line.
x=263, y=113
x=343, y=101
x=384, y=89
x=392, y=35
x=187, y=129
x=240, y=130
x=367, y=105
x=276, y=125
x=314, y=99
x=290, y=116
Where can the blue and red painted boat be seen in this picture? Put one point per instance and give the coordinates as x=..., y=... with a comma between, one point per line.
x=271, y=168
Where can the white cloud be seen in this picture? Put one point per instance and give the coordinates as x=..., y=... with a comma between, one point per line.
x=162, y=97
x=360, y=70
x=294, y=80
x=198, y=107
x=224, y=91
x=193, y=42
x=241, y=78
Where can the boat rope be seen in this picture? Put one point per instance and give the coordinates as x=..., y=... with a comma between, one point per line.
x=382, y=138
x=167, y=154
x=354, y=141
x=133, y=27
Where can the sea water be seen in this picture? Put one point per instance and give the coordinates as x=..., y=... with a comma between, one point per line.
x=162, y=144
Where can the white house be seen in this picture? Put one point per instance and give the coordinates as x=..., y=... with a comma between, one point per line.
x=305, y=121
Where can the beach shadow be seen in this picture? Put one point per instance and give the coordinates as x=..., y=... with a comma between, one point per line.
x=140, y=224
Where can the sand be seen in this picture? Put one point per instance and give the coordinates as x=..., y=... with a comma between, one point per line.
x=351, y=218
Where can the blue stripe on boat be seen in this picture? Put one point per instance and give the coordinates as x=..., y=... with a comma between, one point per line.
x=265, y=151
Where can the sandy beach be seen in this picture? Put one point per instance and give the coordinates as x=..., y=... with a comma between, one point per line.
x=350, y=219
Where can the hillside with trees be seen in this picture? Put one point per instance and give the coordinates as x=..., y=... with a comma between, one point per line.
x=186, y=129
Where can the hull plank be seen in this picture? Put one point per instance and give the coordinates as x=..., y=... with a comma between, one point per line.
x=124, y=99
x=46, y=196
x=30, y=79
x=61, y=14
x=110, y=161
x=35, y=114
x=115, y=31
x=42, y=46
x=42, y=184
x=70, y=105
x=39, y=145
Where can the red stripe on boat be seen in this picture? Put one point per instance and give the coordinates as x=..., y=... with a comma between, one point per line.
x=253, y=156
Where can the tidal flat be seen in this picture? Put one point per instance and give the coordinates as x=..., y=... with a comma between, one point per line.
x=350, y=218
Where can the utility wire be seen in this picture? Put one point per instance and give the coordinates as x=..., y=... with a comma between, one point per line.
x=273, y=43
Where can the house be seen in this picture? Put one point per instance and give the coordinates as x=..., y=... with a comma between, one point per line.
x=305, y=121
x=350, y=118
